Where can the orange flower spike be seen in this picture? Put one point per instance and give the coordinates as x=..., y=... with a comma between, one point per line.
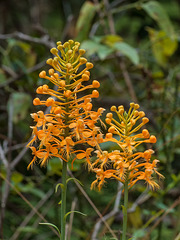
x=130, y=166
x=71, y=120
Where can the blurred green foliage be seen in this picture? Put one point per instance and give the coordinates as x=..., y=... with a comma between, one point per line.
x=134, y=46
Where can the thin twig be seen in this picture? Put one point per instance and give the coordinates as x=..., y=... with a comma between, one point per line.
x=144, y=196
x=18, y=158
x=28, y=203
x=71, y=219
x=110, y=17
x=28, y=71
x=128, y=81
x=44, y=40
x=92, y=204
x=3, y=158
x=110, y=214
x=36, y=223
x=175, y=203
x=31, y=214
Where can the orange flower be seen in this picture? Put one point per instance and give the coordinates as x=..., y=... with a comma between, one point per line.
x=125, y=163
x=70, y=120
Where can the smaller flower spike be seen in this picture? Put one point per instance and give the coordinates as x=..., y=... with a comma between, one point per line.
x=126, y=163
x=71, y=121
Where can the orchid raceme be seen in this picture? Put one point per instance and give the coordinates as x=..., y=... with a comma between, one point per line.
x=126, y=163
x=70, y=121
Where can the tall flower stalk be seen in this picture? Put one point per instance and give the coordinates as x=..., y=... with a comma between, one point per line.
x=70, y=121
x=126, y=163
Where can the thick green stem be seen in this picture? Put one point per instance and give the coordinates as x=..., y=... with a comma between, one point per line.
x=125, y=210
x=63, y=201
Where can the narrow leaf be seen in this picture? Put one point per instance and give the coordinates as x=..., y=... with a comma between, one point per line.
x=86, y=16
x=94, y=47
x=127, y=51
x=52, y=225
x=157, y=12
x=74, y=212
x=74, y=179
x=59, y=185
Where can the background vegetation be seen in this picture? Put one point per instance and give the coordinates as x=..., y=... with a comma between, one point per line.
x=134, y=46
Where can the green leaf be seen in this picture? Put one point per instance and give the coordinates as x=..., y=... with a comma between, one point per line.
x=30, y=189
x=52, y=225
x=163, y=46
x=28, y=229
x=157, y=12
x=139, y=234
x=74, y=212
x=59, y=185
x=127, y=51
x=74, y=179
x=123, y=208
x=94, y=47
x=111, y=39
x=20, y=103
x=86, y=16
x=17, y=177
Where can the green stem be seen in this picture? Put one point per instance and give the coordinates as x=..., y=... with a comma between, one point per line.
x=63, y=201
x=125, y=209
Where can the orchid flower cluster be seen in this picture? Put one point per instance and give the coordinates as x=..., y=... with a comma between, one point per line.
x=69, y=130
x=126, y=164
x=70, y=121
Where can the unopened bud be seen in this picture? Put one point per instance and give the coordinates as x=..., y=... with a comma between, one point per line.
x=82, y=60
x=95, y=94
x=42, y=74
x=54, y=51
x=51, y=71
x=111, y=129
x=113, y=108
x=89, y=65
x=85, y=77
x=81, y=51
x=36, y=101
x=96, y=84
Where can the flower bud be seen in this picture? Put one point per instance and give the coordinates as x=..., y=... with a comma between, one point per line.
x=67, y=93
x=45, y=87
x=109, y=115
x=39, y=90
x=71, y=41
x=95, y=94
x=49, y=61
x=89, y=65
x=57, y=110
x=54, y=51
x=49, y=101
x=36, y=101
x=81, y=51
x=109, y=135
x=42, y=74
x=82, y=60
x=62, y=83
x=145, y=133
x=111, y=129
x=141, y=114
x=96, y=84
x=152, y=139
x=108, y=120
x=85, y=77
x=113, y=108
x=136, y=106
x=51, y=71
x=145, y=120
